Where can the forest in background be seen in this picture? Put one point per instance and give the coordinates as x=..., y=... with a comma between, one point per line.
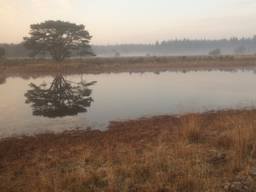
x=238, y=46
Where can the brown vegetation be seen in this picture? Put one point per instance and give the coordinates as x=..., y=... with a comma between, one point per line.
x=35, y=67
x=192, y=153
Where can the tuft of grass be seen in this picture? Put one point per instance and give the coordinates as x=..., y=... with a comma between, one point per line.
x=191, y=128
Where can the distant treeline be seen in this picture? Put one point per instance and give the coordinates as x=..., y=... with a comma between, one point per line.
x=163, y=48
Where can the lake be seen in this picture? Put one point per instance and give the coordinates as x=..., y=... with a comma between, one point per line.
x=25, y=109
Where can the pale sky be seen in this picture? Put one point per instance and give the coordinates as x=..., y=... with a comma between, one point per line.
x=133, y=21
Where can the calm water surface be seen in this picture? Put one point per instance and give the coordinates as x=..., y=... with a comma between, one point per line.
x=126, y=96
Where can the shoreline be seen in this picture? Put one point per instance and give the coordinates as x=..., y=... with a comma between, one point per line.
x=125, y=124
x=40, y=67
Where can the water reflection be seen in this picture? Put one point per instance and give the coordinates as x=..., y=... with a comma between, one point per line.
x=61, y=98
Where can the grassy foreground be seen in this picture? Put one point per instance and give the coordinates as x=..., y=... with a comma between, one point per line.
x=192, y=153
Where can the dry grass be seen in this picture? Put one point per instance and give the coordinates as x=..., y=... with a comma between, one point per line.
x=192, y=153
x=32, y=67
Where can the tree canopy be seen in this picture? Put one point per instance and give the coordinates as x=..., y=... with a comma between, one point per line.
x=58, y=39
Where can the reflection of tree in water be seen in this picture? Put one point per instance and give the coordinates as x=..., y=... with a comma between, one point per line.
x=62, y=98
